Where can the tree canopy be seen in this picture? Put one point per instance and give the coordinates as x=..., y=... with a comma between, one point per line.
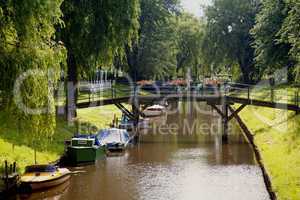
x=154, y=55
x=94, y=32
x=227, y=40
x=190, y=35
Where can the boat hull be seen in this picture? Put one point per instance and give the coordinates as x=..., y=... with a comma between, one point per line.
x=77, y=155
x=149, y=113
x=115, y=147
x=47, y=184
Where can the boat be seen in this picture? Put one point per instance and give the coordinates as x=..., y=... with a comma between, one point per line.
x=84, y=149
x=114, y=140
x=39, y=177
x=154, y=111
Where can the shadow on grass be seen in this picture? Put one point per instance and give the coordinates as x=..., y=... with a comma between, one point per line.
x=11, y=134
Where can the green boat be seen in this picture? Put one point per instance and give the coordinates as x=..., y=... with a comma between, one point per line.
x=84, y=149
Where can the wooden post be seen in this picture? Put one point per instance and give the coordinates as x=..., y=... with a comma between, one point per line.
x=117, y=121
x=15, y=167
x=35, y=161
x=297, y=98
x=249, y=93
x=297, y=101
x=225, y=123
x=6, y=175
x=272, y=94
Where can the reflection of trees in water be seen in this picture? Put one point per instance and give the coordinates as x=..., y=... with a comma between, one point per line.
x=193, y=122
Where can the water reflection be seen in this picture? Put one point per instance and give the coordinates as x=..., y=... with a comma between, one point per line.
x=51, y=194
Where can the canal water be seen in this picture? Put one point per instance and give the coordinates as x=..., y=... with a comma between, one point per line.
x=180, y=158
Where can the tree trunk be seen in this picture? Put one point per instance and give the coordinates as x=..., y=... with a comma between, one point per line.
x=72, y=92
x=245, y=69
x=132, y=61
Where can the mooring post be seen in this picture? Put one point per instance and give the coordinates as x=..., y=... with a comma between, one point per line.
x=15, y=167
x=6, y=174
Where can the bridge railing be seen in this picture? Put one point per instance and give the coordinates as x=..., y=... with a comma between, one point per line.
x=238, y=90
x=264, y=93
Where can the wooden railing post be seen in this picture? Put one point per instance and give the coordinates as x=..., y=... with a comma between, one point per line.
x=248, y=92
x=272, y=94
x=297, y=98
x=297, y=101
x=112, y=92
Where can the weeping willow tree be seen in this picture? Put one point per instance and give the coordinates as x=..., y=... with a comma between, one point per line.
x=95, y=32
x=27, y=53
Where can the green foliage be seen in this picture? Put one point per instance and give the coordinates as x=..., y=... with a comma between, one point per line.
x=290, y=33
x=277, y=36
x=27, y=43
x=227, y=40
x=95, y=31
x=154, y=55
x=190, y=34
x=270, y=53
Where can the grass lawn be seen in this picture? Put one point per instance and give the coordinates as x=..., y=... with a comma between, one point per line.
x=101, y=117
x=15, y=147
x=277, y=134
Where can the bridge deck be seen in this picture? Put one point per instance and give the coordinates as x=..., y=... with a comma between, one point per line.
x=210, y=99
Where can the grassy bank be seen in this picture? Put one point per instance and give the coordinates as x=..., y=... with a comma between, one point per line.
x=15, y=147
x=277, y=134
x=101, y=117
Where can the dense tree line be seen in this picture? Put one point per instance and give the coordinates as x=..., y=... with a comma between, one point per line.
x=149, y=39
x=258, y=36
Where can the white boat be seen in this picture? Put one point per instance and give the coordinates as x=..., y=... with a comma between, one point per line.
x=155, y=110
x=114, y=139
x=39, y=177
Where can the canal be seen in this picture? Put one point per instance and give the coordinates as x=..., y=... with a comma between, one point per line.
x=180, y=158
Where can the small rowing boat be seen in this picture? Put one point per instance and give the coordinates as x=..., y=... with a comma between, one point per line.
x=38, y=177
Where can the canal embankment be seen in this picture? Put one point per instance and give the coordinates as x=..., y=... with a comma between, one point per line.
x=276, y=134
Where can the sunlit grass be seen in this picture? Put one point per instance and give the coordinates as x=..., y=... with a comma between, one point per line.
x=15, y=147
x=277, y=134
x=99, y=116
